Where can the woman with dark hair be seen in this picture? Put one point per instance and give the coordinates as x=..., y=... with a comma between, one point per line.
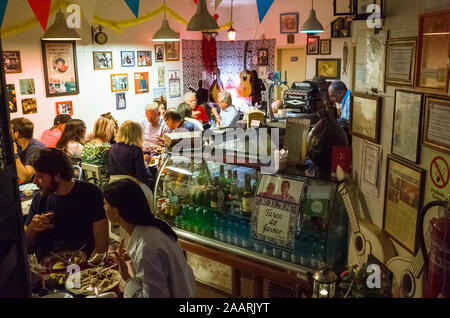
x=73, y=139
x=257, y=86
x=159, y=266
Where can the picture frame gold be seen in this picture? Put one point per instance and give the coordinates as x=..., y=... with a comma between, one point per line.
x=117, y=82
x=330, y=69
x=365, y=116
x=104, y=62
x=172, y=50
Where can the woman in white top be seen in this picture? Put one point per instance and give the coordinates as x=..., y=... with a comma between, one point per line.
x=158, y=264
x=73, y=139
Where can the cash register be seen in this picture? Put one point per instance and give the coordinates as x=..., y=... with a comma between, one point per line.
x=302, y=97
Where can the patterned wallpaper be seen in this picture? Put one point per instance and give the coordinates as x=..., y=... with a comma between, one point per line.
x=230, y=59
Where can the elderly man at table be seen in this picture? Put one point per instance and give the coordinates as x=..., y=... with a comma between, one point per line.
x=176, y=122
x=198, y=112
x=25, y=146
x=340, y=94
x=228, y=116
x=153, y=126
x=65, y=214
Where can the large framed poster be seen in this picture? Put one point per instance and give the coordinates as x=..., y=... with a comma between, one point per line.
x=60, y=68
x=403, y=200
x=436, y=124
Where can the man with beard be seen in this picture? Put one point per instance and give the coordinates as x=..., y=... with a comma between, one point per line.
x=66, y=214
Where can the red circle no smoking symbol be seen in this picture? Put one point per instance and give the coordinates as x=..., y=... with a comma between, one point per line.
x=439, y=172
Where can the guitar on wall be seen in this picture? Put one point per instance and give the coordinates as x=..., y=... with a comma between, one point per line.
x=245, y=88
x=215, y=87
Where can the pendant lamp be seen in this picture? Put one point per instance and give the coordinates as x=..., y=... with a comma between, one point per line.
x=202, y=20
x=59, y=31
x=312, y=25
x=231, y=31
x=165, y=33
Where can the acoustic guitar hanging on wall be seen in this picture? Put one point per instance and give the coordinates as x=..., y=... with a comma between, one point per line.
x=244, y=88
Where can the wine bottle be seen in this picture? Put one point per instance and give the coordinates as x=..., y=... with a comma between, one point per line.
x=247, y=196
x=217, y=195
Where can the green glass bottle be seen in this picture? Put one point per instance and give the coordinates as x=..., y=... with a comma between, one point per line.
x=247, y=197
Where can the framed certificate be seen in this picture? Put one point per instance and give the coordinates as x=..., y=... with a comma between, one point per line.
x=436, y=123
x=400, y=62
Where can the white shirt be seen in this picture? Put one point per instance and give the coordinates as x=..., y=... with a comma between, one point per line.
x=74, y=149
x=195, y=122
x=229, y=117
x=159, y=266
x=151, y=132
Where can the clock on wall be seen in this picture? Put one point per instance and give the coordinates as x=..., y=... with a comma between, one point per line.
x=98, y=35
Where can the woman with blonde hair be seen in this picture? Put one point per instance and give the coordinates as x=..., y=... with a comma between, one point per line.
x=126, y=156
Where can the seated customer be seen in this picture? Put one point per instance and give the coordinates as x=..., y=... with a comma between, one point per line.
x=198, y=112
x=73, y=139
x=25, y=146
x=340, y=94
x=126, y=156
x=154, y=128
x=159, y=266
x=228, y=114
x=65, y=214
x=50, y=137
x=176, y=122
x=162, y=106
x=186, y=112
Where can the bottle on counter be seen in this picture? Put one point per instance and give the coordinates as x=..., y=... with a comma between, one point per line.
x=305, y=250
x=245, y=234
x=227, y=192
x=247, y=197
x=217, y=195
x=235, y=194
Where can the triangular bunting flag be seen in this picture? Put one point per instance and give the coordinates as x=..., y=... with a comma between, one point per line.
x=263, y=7
x=218, y=3
x=3, y=4
x=41, y=9
x=88, y=8
x=196, y=1
x=134, y=6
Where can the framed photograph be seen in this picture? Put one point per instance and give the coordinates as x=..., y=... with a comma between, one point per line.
x=64, y=108
x=403, y=200
x=290, y=38
x=159, y=53
x=144, y=58
x=27, y=86
x=263, y=57
x=361, y=8
x=174, y=88
x=275, y=210
x=436, y=123
x=289, y=22
x=121, y=101
x=158, y=92
x=127, y=58
x=161, y=76
x=329, y=68
x=12, y=62
x=343, y=7
x=102, y=60
x=341, y=28
x=141, y=83
x=119, y=82
x=365, y=116
x=60, y=68
x=400, y=62
x=325, y=47
x=174, y=75
x=29, y=106
x=407, y=125
x=11, y=97
x=172, y=50
x=312, y=45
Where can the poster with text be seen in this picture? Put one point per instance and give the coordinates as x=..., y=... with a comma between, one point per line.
x=141, y=82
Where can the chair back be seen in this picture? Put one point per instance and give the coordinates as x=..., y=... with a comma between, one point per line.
x=255, y=115
x=78, y=175
x=92, y=173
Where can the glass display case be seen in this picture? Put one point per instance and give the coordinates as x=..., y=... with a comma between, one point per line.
x=212, y=203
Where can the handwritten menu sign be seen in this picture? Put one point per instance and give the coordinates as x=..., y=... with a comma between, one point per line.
x=295, y=139
x=275, y=211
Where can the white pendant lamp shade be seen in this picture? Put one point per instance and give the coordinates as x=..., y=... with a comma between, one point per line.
x=312, y=25
x=165, y=33
x=59, y=30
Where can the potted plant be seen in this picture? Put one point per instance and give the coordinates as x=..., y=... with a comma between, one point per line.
x=354, y=283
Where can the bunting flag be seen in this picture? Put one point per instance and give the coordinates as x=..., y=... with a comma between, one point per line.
x=218, y=3
x=134, y=6
x=41, y=9
x=3, y=4
x=196, y=1
x=263, y=7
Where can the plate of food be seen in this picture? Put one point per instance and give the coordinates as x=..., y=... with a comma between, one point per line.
x=153, y=161
x=60, y=260
x=101, y=259
x=92, y=281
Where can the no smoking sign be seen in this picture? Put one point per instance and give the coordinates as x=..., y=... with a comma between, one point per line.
x=439, y=172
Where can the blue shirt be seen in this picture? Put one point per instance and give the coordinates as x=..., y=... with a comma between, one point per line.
x=229, y=117
x=345, y=108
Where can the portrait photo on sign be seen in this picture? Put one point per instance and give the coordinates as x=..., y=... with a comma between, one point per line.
x=278, y=188
x=141, y=82
x=12, y=62
x=119, y=82
x=102, y=60
x=289, y=22
x=144, y=58
x=121, y=102
x=64, y=108
x=29, y=106
x=159, y=53
x=127, y=58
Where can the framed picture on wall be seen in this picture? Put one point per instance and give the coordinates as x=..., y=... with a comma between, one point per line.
x=103, y=60
x=172, y=50
x=312, y=45
x=436, y=123
x=29, y=106
x=361, y=7
x=329, y=68
x=365, y=116
x=127, y=58
x=341, y=28
x=400, y=62
x=263, y=57
x=64, y=108
x=60, y=68
x=343, y=7
x=289, y=22
x=12, y=62
x=141, y=83
x=119, y=82
x=325, y=47
x=121, y=101
x=407, y=124
x=144, y=58
x=403, y=200
x=159, y=53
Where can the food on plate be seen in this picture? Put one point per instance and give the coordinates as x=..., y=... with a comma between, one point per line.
x=101, y=259
x=92, y=279
x=60, y=260
x=55, y=280
x=59, y=265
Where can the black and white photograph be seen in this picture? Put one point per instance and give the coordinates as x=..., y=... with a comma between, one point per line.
x=119, y=82
x=103, y=60
x=121, y=102
x=159, y=53
x=127, y=58
x=263, y=58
